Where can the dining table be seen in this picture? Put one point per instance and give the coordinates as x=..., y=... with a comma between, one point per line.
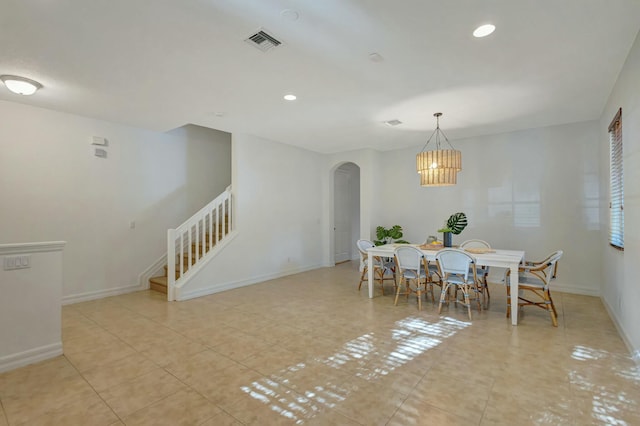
x=509, y=259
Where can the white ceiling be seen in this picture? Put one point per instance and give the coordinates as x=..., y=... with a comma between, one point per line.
x=160, y=64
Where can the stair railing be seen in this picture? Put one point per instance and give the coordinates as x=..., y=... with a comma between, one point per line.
x=189, y=242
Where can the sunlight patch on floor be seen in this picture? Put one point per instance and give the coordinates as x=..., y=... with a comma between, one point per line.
x=607, y=402
x=408, y=339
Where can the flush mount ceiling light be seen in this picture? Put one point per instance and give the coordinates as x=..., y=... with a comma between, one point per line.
x=484, y=30
x=290, y=14
x=376, y=57
x=438, y=167
x=20, y=85
x=290, y=97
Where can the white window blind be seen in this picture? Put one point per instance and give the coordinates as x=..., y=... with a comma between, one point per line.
x=616, y=205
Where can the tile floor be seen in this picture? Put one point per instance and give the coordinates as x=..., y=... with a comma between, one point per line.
x=311, y=349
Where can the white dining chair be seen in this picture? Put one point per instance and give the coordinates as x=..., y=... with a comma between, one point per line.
x=383, y=270
x=413, y=270
x=483, y=271
x=458, y=269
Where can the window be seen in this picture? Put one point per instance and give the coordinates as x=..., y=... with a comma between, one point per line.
x=616, y=205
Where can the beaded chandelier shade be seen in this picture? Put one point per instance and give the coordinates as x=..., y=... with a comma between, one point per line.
x=438, y=167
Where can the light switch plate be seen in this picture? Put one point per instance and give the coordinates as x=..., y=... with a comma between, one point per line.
x=17, y=262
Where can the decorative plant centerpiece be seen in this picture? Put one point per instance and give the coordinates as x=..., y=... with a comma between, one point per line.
x=388, y=236
x=455, y=224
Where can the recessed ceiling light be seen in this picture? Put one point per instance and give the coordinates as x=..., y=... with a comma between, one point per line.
x=20, y=85
x=484, y=30
x=290, y=97
x=392, y=123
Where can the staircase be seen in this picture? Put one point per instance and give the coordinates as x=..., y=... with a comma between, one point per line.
x=193, y=244
x=159, y=283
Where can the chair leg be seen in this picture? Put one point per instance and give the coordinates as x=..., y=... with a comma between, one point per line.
x=398, y=291
x=486, y=287
x=428, y=288
x=443, y=295
x=465, y=293
x=553, y=306
x=364, y=273
x=551, y=309
x=407, y=284
x=508, y=301
x=419, y=293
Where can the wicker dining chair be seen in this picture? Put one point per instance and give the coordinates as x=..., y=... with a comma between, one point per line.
x=482, y=271
x=413, y=269
x=536, y=277
x=383, y=270
x=458, y=269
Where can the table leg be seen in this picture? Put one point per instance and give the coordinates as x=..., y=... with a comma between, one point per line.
x=370, y=275
x=514, y=294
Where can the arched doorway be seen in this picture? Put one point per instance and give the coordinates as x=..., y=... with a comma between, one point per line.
x=346, y=211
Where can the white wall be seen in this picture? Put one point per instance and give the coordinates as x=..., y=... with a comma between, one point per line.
x=535, y=190
x=53, y=188
x=208, y=163
x=30, y=305
x=278, y=217
x=620, y=289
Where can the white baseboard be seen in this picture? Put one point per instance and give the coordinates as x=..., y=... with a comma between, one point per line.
x=152, y=271
x=555, y=287
x=634, y=352
x=99, y=294
x=183, y=294
x=20, y=359
x=573, y=289
x=496, y=276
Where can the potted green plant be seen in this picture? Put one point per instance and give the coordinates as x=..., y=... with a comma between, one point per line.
x=454, y=225
x=388, y=236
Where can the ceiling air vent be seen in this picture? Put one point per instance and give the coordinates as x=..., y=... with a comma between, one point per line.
x=263, y=41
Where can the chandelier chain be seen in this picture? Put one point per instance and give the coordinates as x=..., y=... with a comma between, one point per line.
x=437, y=132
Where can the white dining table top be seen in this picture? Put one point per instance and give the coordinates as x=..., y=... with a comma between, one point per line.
x=495, y=256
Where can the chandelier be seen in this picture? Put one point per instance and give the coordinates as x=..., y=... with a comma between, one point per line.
x=438, y=167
